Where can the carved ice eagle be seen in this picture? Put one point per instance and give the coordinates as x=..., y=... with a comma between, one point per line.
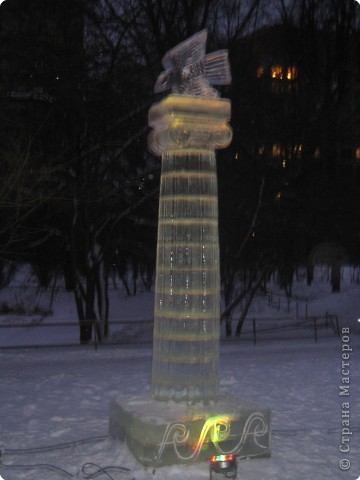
x=189, y=71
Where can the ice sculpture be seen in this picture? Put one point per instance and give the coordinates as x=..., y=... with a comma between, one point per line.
x=189, y=71
x=188, y=126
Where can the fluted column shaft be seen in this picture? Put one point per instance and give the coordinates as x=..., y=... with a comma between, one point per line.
x=187, y=287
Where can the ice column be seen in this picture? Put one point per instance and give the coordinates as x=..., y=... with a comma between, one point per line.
x=186, y=131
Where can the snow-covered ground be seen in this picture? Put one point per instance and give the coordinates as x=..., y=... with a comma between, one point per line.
x=54, y=402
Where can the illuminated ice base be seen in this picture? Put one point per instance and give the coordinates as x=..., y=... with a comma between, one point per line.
x=168, y=433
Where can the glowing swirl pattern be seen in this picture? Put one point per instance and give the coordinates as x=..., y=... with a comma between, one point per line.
x=216, y=429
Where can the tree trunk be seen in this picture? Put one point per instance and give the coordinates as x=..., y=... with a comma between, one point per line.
x=248, y=303
x=228, y=290
x=90, y=294
x=335, y=276
x=244, y=312
x=85, y=329
x=103, y=300
x=309, y=273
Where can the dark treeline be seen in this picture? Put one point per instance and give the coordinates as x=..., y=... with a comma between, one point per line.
x=79, y=190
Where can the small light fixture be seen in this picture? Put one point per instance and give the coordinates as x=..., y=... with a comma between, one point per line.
x=225, y=465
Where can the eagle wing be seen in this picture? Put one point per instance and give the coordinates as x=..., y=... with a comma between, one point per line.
x=217, y=68
x=187, y=52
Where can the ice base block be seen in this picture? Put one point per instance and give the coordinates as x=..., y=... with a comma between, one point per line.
x=167, y=433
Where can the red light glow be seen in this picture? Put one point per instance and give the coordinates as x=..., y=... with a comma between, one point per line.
x=222, y=458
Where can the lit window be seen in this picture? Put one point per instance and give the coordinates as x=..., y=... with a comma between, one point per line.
x=277, y=72
x=317, y=153
x=260, y=71
x=297, y=150
x=276, y=150
x=283, y=163
x=357, y=153
x=291, y=73
x=280, y=74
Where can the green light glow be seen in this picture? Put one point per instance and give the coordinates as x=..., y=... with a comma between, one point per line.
x=216, y=429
